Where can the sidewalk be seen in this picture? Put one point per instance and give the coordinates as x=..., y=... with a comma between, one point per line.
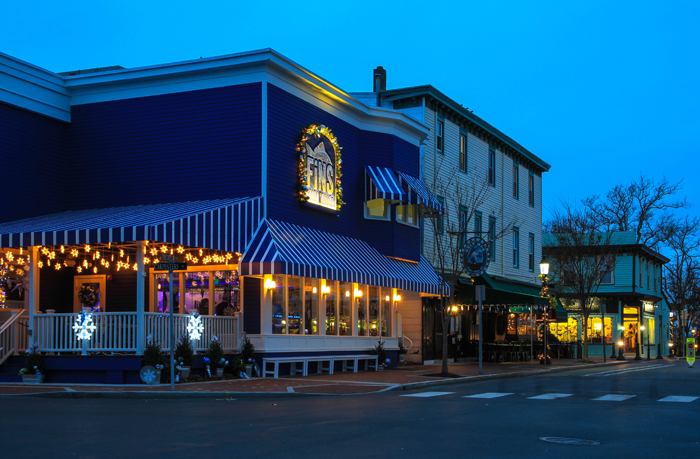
x=406, y=377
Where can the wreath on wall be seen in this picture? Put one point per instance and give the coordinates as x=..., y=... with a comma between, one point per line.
x=88, y=296
x=302, y=182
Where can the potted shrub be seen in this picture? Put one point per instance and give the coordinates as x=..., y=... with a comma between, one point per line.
x=247, y=352
x=153, y=356
x=33, y=372
x=380, y=352
x=215, y=357
x=402, y=350
x=184, y=356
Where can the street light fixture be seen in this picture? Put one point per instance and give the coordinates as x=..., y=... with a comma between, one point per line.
x=621, y=350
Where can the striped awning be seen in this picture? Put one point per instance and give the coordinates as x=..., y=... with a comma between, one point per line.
x=283, y=248
x=381, y=183
x=419, y=195
x=222, y=224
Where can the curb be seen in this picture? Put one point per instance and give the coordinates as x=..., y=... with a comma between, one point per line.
x=143, y=395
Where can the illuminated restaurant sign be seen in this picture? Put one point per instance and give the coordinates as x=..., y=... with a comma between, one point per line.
x=319, y=168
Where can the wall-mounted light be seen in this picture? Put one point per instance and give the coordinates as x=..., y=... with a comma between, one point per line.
x=388, y=298
x=358, y=293
x=397, y=298
x=347, y=293
x=313, y=290
x=269, y=283
x=325, y=289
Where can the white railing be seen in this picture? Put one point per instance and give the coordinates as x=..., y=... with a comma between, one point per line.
x=9, y=337
x=225, y=328
x=117, y=332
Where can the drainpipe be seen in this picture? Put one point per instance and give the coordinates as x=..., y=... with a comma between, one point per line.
x=140, y=298
x=33, y=290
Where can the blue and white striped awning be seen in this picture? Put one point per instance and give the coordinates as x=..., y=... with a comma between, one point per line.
x=419, y=195
x=222, y=224
x=283, y=248
x=381, y=183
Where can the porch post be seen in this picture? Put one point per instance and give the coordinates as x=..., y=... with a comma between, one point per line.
x=33, y=289
x=140, y=298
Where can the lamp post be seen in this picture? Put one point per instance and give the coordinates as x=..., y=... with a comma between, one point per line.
x=620, y=344
x=544, y=271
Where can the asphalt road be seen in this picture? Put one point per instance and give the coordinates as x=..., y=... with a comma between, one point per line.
x=407, y=424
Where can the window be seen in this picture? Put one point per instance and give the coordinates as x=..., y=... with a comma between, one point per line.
x=310, y=306
x=641, y=274
x=531, y=189
x=516, y=247
x=477, y=223
x=463, y=152
x=377, y=209
x=294, y=305
x=361, y=305
x=440, y=220
x=492, y=238
x=646, y=272
x=374, y=325
x=386, y=311
x=279, y=306
x=531, y=253
x=606, y=277
x=345, y=295
x=516, y=181
x=654, y=278
x=492, y=166
x=407, y=215
x=463, y=219
x=331, y=313
x=440, y=137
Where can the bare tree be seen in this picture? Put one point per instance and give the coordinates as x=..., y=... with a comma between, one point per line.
x=682, y=279
x=580, y=253
x=644, y=207
x=463, y=196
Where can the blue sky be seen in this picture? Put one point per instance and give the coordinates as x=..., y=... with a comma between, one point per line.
x=601, y=90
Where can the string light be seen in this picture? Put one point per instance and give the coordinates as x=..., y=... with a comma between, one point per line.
x=63, y=249
x=154, y=252
x=74, y=253
x=180, y=249
x=164, y=249
x=94, y=270
x=121, y=253
x=80, y=269
x=40, y=264
x=87, y=248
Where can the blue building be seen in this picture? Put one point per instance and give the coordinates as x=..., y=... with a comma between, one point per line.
x=257, y=172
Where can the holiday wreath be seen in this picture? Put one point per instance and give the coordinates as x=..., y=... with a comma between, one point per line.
x=88, y=296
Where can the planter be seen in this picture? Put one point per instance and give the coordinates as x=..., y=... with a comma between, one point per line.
x=219, y=372
x=32, y=379
x=249, y=370
x=184, y=372
x=400, y=357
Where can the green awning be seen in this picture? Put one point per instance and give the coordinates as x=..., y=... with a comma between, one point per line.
x=510, y=293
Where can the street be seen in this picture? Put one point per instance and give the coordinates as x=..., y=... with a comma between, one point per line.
x=642, y=409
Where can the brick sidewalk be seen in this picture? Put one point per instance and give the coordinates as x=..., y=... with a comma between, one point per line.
x=337, y=384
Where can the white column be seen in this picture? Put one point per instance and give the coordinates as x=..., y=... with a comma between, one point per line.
x=321, y=308
x=33, y=289
x=140, y=298
x=212, y=278
x=181, y=307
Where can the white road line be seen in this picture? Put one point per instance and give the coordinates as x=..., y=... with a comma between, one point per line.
x=614, y=398
x=619, y=372
x=678, y=398
x=489, y=395
x=427, y=394
x=549, y=396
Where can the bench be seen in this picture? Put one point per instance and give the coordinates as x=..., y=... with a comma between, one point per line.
x=349, y=362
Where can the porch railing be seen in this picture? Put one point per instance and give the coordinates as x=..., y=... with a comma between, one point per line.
x=117, y=331
x=9, y=336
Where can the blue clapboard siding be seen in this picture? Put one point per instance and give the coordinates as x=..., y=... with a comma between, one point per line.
x=187, y=146
x=251, y=305
x=287, y=115
x=32, y=149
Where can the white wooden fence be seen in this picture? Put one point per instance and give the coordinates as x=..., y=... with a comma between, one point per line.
x=117, y=331
x=10, y=332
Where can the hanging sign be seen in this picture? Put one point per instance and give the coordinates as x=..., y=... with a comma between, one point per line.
x=476, y=256
x=319, y=168
x=171, y=263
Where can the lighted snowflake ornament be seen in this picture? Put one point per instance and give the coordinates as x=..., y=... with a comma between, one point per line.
x=84, y=327
x=195, y=327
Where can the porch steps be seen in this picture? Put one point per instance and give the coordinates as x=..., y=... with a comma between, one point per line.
x=9, y=371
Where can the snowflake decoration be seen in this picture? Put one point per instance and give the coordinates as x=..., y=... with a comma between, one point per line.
x=84, y=327
x=195, y=327
x=149, y=376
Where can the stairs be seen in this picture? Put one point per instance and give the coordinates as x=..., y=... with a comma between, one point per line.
x=9, y=371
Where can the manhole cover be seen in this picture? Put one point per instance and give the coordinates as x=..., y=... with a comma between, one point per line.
x=569, y=441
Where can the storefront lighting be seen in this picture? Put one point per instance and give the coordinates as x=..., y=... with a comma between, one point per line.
x=313, y=290
x=387, y=298
x=620, y=343
x=642, y=328
x=397, y=298
x=269, y=283
x=455, y=309
x=670, y=344
x=325, y=289
x=347, y=293
x=598, y=326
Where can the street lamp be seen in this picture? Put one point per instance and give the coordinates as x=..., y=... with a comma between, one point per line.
x=620, y=351
x=544, y=271
x=640, y=343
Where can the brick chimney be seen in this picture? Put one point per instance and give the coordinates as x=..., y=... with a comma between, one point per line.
x=379, y=79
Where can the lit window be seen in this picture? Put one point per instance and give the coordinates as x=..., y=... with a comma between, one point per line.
x=407, y=215
x=377, y=209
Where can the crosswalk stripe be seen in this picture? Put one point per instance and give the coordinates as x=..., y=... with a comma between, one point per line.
x=549, y=396
x=614, y=398
x=427, y=394
x=629, y=370
x=489, y=395
x=678, y=398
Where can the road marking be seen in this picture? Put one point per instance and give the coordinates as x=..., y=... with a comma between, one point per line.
x=614, y=398
x=489, y=395
x=428, y=394
x=678, y=398
x=619, y=372
x=549, y=396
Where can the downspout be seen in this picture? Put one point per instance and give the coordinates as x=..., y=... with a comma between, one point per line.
x=503, y=216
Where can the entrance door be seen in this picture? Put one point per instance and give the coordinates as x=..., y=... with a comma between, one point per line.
x=428, y=329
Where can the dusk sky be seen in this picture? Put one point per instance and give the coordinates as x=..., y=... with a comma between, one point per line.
x=601, y=90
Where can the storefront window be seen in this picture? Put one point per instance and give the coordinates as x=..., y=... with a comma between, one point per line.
x=373, y=299
x=386, y=312
x=330, y=298
x=512, y=324
x=163, y=285
x=310, y=306
x=596, y=331
x=345, y=309
x=226, y=290
x=294, y=305
x=279, y=310
x=651, y=333
x=197, y=292
x=361, y=311
x=524, y=326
